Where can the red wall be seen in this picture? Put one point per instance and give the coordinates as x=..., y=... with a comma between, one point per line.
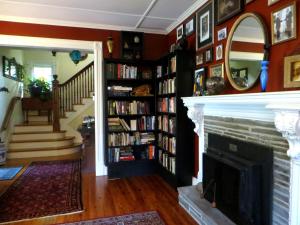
x=154, y=45
x=277, y=52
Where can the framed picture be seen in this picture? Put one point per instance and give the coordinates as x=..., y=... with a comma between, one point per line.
x=219, y=52
x=11, y=69
x=179, y=32
x=199, y=81
x=199, y=58
x=217, y=70
x=204, y=23
x=190, y=27
x=222, y=34
x=172, y=47
x=271, y=2
x=292, y=71
x=225, y=9
x=283, y=24
x=208, y=55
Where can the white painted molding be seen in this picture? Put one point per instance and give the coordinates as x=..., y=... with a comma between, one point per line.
x=282, y=108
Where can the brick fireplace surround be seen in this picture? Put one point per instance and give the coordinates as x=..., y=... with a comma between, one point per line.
x=272, y=119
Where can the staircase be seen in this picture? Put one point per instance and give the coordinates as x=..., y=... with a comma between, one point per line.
x=40, y=138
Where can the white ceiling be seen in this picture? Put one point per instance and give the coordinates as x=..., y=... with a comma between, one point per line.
x=152, y=16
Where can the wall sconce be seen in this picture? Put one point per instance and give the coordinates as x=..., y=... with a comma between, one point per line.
x=110, y=45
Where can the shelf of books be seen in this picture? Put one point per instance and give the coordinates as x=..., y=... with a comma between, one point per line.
x=175, y=137
x=130, y=118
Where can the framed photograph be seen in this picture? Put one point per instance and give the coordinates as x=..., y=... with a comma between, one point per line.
x=190, y=27
x=240, y=76
x=204, y=23
x=283, y=24
x=222, y=34
x=208, y=55
x=199, y=81
x=217, y=70
x=179, y=32
x=225, y=9
x=219, y=52
x=199, y=58
x=271, y=2
x=292, y=71
x=172, y=47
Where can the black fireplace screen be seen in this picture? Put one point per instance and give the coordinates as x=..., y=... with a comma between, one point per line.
x=237, y=179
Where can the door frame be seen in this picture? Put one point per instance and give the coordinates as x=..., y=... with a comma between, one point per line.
x=69, y=44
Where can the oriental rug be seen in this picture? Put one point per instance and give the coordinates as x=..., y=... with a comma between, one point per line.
x=146, y=218
x=44, y=189
x=8, y=173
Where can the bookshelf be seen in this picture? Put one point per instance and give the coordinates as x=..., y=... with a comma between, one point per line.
x=129, y=117
x=175, y=136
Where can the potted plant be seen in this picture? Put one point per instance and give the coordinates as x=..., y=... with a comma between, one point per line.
x=39, y=88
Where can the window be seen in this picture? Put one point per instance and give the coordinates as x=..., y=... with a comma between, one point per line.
x=42, y=72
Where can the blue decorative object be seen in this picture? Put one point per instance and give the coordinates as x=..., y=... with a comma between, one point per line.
x=264, y=75
x=76, y=56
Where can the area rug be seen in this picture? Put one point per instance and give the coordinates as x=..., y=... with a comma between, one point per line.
x=8, y=173
x=146, y=218
x=44, y=189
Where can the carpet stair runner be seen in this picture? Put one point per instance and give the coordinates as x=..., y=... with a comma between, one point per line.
x=37, y=139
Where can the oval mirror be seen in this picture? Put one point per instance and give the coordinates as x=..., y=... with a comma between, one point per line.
x=245, y=49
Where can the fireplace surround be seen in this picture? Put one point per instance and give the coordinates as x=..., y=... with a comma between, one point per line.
x=278, y=108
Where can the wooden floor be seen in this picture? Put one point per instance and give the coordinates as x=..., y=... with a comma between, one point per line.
x=103, y=198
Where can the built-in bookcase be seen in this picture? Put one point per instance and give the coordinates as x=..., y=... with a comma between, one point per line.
x=175, y=136
x=130, y=117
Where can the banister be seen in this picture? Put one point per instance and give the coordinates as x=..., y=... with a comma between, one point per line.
x=77, y=74
x=9, y=113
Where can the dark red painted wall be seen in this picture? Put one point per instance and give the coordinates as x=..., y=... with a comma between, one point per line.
x=154, y=45
x=277, y=52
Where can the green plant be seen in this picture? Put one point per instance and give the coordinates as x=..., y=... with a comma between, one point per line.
x=39, y=88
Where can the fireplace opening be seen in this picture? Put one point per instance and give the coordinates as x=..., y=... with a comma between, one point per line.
x=238, y=179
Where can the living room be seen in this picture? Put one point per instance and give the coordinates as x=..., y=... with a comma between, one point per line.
x=224, y=88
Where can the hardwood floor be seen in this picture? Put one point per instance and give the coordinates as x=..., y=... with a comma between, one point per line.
x=104, y=198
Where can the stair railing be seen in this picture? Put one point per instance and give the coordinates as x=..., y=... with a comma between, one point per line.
x=9, y=113
x=77, y=87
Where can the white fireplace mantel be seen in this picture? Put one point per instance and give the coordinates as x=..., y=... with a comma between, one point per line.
x=282, y=108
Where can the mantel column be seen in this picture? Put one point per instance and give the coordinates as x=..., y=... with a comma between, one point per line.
x=195, y=113
x=287, y=121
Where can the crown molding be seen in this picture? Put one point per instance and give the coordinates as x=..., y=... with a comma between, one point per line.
x=186, y=14
x=78, y=24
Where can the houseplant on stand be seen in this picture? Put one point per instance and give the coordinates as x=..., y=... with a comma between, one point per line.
x=39, y=88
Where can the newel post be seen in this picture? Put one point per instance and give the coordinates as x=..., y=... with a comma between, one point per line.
x=55, y=103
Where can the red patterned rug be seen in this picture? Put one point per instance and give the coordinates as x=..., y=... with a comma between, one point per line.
x=44, y=189
x=146, y=218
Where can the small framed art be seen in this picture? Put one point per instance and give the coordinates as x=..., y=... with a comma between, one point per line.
x=292, y=71
x=209, y=55
x=222, y=34
x=190, y=27
x=199, y=81
x=204, y=23
x=217, y=70
x=199, y=58
x=225, y=9
x=219, y=52
x=283, y=23
x=179, y=32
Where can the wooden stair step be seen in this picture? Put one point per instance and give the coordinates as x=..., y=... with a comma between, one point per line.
x=24, y=136
x=28, y=144
x=40, y=132
x=45, y=149
x=43, y=140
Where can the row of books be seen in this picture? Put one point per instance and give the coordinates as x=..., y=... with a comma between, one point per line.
x=167, y=105
x=167, y=143
x=124, y=139
x=120, y=71
x=169, y=162
x=118, y=91
x=128, y=107
x=167, y=86
x=167, y=124
x=141, y=124
x=128, y=154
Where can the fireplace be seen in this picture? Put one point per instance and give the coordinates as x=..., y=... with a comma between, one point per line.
x=237, y=178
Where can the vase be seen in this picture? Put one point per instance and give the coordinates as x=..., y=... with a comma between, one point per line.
x=264, y=75
x=215, y=85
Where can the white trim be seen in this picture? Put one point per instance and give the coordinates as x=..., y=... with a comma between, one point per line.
x=64, y=44
x=78, y=24
x=151, y=5
x=186, y=14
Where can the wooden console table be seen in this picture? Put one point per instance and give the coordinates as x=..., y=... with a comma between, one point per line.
x=37, y=104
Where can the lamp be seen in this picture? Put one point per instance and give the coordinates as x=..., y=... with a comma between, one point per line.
x=110, y=45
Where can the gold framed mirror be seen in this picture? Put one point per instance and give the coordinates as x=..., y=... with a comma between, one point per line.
x=247, y=45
